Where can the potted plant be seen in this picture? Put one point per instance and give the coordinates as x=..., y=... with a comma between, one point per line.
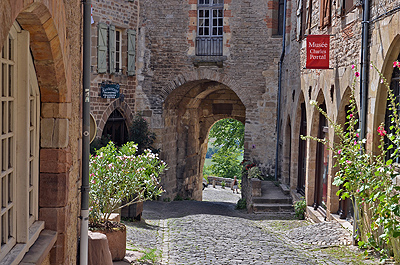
x=118, y=178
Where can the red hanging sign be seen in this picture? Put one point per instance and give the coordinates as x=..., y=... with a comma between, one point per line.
x=318, y=52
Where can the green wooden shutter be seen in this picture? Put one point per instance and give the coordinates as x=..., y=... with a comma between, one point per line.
x=102, y=48
x=111, y=48
x=131, y=52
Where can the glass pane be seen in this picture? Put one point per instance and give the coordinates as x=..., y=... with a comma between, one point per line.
x=10, y=49
x=215, y=22
x=220, y=22
x=4, y=233
x=10, y=80
x=207, y=22
x=201, y=31
x=201, y=13
x=4, y=81
x=30, y=173
x=10, y=152
x=214, y=31
x=30, y=203
x=10, y=188
x=10, y=116
x=4, y=108
x=201, y=22
x=4, y=192
x=206, y=31
x=219, y=12
x=4, y=155
x=207, y=13
x=215, y=13
x=219, y=31
x=32, y=112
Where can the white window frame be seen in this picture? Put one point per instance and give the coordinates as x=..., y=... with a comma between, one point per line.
x=215, y=10
x=24, y=151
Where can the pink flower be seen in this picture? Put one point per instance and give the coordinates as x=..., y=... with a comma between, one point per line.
x=351, y=115
x=355, y=142
x=339, y=152
x=348, y=161
x=358, y=190
x=357, y=74
x=93, y=181
x=353, y=66
x=395, y=63
x=381, y=131
x=381, y=81
x=357, y=135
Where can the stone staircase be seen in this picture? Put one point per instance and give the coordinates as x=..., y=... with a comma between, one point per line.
x=273, y=199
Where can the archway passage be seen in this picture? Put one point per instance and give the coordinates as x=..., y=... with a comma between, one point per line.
x=116, y=128
x=189, y=113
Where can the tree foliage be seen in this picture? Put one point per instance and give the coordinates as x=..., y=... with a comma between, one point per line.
x=141, y=135
x=226, y=163
x=228, y=134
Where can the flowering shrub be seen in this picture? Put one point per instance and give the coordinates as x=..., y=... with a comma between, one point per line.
x=119, y=178
x=367, y=178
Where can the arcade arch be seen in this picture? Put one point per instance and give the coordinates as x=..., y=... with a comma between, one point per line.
x=189, y=112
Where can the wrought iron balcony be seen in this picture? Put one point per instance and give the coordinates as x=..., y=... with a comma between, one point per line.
x=209, y=46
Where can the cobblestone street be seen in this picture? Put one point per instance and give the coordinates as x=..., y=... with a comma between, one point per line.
x=214, y=232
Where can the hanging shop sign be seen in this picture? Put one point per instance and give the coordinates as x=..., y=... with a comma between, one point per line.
x=317, y=52
x=109, y=90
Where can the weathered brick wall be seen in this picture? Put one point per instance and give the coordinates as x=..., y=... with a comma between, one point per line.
x=166, y=72
x=123, y=15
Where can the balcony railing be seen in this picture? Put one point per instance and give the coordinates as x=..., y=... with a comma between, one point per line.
x=209, y=46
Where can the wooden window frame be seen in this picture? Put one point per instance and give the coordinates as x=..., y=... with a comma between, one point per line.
x=24, y=119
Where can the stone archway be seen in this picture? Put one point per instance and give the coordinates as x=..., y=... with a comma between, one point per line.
x=189, y=112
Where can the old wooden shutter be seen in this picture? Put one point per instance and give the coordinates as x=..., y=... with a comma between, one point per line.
x=325, y=15
x=111, y=50
x=308, y=11
x=131, y=51
x=102, y=48
x=299, y=18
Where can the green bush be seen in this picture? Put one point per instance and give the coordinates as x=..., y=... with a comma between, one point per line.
x=255, y=172
x=241, y=204
x=300, y=209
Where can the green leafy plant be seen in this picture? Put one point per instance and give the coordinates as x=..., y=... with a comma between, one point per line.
x=226, y=163
x=241, y=204
x=367, y=178
x=223, y=184
x=255, y=172
x=99, y=143
x=141, y=134
x=300, y=208
x=119, y=177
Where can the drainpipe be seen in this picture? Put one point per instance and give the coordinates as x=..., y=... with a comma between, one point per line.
x=85, y=133
x=363, y=89
x=278, y=129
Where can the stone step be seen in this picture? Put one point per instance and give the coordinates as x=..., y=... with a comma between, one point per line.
x=264, y=200
x=285, y=189
x=272, y=207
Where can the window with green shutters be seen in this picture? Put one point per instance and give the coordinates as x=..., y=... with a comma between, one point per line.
x=102, y=48
x=131, y=52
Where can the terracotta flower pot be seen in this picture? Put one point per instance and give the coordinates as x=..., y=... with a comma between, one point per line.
x=116, y=237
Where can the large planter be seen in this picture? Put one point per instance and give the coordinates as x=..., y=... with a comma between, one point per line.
x=116, y=241
x=133, y=211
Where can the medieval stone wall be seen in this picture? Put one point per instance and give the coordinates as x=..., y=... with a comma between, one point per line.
x=168, y=69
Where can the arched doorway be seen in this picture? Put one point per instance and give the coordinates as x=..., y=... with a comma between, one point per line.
x=321, y=165
x=301, y=173
x=116, y=129
x=189, y=111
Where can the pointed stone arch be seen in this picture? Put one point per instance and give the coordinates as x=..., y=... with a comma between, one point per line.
x=122, y=107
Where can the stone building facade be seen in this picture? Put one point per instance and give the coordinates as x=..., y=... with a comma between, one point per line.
x=305, y=165
x=114, y=28
x=41, y=130
x=200, y=61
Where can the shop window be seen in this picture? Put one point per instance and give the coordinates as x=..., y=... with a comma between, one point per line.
x=209, y=41
x=19, y=146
